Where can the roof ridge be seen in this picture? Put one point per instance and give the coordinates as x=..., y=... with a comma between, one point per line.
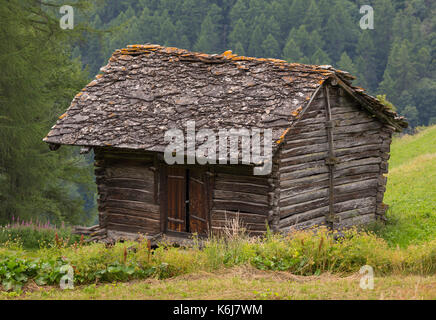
x=228, y=55
x=324, y=70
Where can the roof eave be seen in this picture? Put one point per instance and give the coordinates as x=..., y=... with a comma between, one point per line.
x=398, y=123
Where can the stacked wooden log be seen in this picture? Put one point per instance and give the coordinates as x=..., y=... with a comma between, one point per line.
x=237, y=193
x=94, y=233
x=127, y=190
x=303, y=171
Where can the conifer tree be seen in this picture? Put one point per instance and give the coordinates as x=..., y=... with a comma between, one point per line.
x=400, y=75
x=382, y=34
x=209, y=39
x=313, y=43
x=167, y=32
x=192, y=14
x=271, y=47
x=366, y=61
x=239, y=11
x=181, y=40
x=239, y=34
x=254, y=8
x=297, y=12
x=301, y=36
x=425, y=100
x=291, y=51
x=239, y=49
x=280, y=13
x=93, y=55
x=255, y=46
x=412, y=115
x=346, y=64
x=38, y=82
x=340, y=32
x=273, y=28
x=129, y=13
x=320, y=57
x=313, y=17
x=422, y=62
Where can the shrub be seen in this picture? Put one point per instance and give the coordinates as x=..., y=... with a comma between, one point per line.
x=34, y=235
x=308, y=252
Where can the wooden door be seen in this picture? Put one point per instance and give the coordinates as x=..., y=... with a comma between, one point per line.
x=198, y=208
x=176, y=205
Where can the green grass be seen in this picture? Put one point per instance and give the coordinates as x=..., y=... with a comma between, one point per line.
x=30, y=237
x=245, y=283
x=411, y=189
x=304, y=253
x=409, y=147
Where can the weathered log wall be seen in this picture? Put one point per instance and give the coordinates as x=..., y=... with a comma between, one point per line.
x=303, y=173
x=238, y=193
x=358, y=143
x=127, y=188
x=361, y=148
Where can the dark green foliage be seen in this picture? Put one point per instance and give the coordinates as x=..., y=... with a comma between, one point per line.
x=38, y=81
x=256, y=39
x=16, y=272
x=271, y=47
x=382, y=35
x=345, y=63
x=320, y=58
x=313, y=18
x=292, y=52
x=210, y=37
x=412, y=115
x=239, y=34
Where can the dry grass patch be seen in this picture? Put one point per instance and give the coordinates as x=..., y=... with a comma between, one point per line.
x=249, y=283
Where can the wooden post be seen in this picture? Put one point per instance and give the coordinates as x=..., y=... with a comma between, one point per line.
x=163, y=197
x=331, y=160
x=210, y=183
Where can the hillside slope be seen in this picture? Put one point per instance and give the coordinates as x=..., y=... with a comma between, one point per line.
x=408, y=148
x=411, y=189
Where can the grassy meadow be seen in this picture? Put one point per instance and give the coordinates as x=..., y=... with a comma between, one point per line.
x=411, y=189
x=304, y=265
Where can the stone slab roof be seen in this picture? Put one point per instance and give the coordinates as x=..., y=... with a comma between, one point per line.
x=145, y=90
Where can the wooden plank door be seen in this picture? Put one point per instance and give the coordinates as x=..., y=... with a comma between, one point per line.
x=176, y=205
x=198, y=208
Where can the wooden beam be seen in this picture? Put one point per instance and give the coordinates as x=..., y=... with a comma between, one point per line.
x=330, y=161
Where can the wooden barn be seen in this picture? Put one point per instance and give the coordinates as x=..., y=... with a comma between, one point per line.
x=330, y=144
